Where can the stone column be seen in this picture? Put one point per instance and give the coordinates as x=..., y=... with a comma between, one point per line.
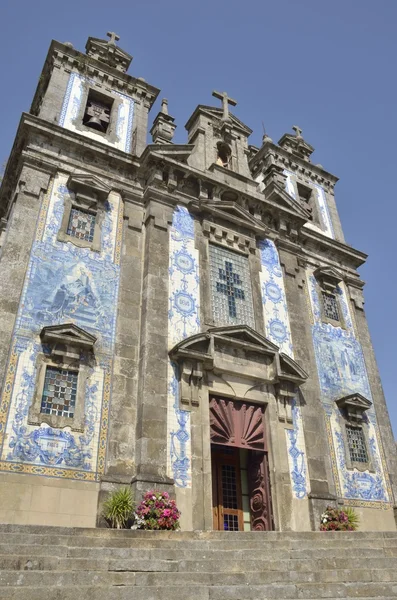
x=317, y=449
x=14, y=258
x=151, y=435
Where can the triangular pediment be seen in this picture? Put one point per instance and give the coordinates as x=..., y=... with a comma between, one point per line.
x=233, y=212
x=328, y=273
x=277, y=195
x=91, y=183
x=107, y=52
x=216, y=114
x=290, y=370
x=356, y=401
x=67, y=333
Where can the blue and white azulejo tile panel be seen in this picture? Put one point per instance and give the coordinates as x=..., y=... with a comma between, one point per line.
x=63, y=284
x=278, y=331
x=342, y=371
x=71, y=109
x=183, y=321
x=322, y=205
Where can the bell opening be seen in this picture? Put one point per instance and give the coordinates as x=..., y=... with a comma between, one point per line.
x=97, y=111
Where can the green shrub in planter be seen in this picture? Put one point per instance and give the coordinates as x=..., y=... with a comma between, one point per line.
x=118, y=509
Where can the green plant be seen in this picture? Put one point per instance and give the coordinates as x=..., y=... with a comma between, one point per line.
x=352, y=517
x=335, y=519
x=119, y=508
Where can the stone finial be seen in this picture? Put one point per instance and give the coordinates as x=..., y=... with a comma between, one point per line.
x=164, y=106
x=265, y=138
x=164, y=127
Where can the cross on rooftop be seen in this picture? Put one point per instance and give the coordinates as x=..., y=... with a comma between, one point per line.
x=113, y=37
x=298, y=131
x=225, y=103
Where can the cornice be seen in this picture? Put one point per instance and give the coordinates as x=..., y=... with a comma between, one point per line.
x=291, y=159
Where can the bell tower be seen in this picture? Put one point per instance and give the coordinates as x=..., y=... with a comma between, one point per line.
x=91, y=94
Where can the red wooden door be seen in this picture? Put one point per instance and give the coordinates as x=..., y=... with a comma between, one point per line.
x=236, y=425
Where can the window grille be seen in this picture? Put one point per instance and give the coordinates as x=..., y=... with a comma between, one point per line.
x=330, y=304
x=230, y=288
x=59, y=393
x=81, y=224
x=357, y=446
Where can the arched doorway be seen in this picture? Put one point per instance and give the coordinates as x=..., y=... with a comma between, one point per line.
x=240, y=472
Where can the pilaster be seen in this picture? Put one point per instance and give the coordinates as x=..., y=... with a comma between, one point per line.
x=151, y=444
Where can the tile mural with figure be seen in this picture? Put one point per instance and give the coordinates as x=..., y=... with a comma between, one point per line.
x=64, y=284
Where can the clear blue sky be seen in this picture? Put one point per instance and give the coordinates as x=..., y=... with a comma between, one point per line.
x=325, y=65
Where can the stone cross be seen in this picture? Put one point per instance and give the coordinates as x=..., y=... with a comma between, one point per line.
x=113, y=37
x=298, y=131
x=225, y=103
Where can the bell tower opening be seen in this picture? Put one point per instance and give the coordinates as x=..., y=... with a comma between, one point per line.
x=97, y=111
x=224, y=157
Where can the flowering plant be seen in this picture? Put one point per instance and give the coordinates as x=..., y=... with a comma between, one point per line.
x=156, y=511
x=334, y=519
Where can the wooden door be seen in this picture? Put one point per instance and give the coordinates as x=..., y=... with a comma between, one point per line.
x=226, y=489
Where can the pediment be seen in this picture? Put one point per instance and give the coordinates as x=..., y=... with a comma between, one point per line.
x=108, y=53
x=290, y=370
x=67, y=333
x=328, y=276
x=89, y=185
x=232, y=212
x=216, y=114
x=354, y=401
x=231, y=348
x=276, y=194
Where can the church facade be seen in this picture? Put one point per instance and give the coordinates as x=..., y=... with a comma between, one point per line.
x=186, y=317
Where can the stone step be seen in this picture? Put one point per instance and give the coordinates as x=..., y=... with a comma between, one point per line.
x=204, y=592
x=176, y=536
x=186, y=553
x=155, y=579
x=324, y=541
x=34, y=562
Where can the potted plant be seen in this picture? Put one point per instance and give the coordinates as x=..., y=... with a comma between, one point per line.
x=157, y=511
x=335, y=519
x=118, y=510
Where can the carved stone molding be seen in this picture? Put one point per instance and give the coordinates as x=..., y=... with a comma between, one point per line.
x=237, y=350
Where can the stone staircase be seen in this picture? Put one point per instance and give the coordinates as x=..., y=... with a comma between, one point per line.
x=56, y=563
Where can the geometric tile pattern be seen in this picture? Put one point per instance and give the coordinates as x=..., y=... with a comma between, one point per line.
x=183, y=321
x=277, y=327
x=63, y=284
x=342, y=371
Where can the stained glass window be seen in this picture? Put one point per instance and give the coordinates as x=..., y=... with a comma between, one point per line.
x=330, y=304
x=230, y=288
x=59, y=393
x=357, y=447
x=81, y=224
